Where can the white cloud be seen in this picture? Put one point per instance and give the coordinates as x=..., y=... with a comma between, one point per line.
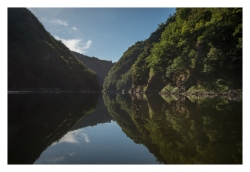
x=59, y=22
x=76, y=45
x=74, y=137
x=74, y=28
x=87, y=44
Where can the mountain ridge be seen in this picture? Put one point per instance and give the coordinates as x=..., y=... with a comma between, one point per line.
x=37, y=61
x=101, y=67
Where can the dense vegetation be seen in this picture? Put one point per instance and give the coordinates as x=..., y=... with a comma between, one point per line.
x=37, y=61
x=101, y=67
x=119, y=75
x=181, y=130
x=195, y=50
x=132, y=63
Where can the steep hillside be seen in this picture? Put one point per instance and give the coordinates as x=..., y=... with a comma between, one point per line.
x=197, y=50
x=200, y=52
x=101, y=67
x=119, y=76
x=131, y=71
x=37, y=61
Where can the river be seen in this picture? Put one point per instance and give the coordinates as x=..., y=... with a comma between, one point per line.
x=73, y=128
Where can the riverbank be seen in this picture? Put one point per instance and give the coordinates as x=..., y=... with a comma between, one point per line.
x=231, y=94
x=51, y=91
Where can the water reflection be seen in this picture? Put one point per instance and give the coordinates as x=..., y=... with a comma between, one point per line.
x=96, y=139
x=120, y=129
x=181, y=130
x=98, y=116
x=35, y=121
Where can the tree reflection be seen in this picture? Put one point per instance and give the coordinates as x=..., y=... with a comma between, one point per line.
x=35, y=121
x=182, y=130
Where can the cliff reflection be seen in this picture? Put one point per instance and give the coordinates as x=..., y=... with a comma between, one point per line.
x=181, y=130
x=35, y=121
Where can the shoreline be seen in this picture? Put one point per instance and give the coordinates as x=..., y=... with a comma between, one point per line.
x=231, y=94
x=52, y=91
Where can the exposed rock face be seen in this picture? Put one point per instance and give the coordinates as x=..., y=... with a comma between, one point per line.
x=155, y=83
x=181, y=81
x=137, y=89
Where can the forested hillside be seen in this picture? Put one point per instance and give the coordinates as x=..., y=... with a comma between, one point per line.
x=119, y=76
x=101, y=67
x=37, y=61
x=197, y=50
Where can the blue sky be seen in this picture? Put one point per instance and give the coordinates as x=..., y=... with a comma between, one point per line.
x=105, y=33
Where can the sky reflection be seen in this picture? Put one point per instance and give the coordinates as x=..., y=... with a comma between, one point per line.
x=76, y=136
x=101, y=144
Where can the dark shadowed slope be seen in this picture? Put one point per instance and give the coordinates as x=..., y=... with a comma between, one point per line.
x=101, y=67
x=37, y=61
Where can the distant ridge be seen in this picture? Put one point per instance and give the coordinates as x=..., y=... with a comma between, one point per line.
x=101, y=67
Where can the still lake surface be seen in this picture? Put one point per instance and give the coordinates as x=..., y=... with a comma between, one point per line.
x=73, y=128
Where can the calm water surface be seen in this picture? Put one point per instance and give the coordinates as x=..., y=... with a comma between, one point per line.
x=120, y=129
x=101, y=144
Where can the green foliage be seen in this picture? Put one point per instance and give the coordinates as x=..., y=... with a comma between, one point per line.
x=170, y=88
x=177, y=66
x=219, y=85
x=125, y=81
x=122, y=67
x=204, y=42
